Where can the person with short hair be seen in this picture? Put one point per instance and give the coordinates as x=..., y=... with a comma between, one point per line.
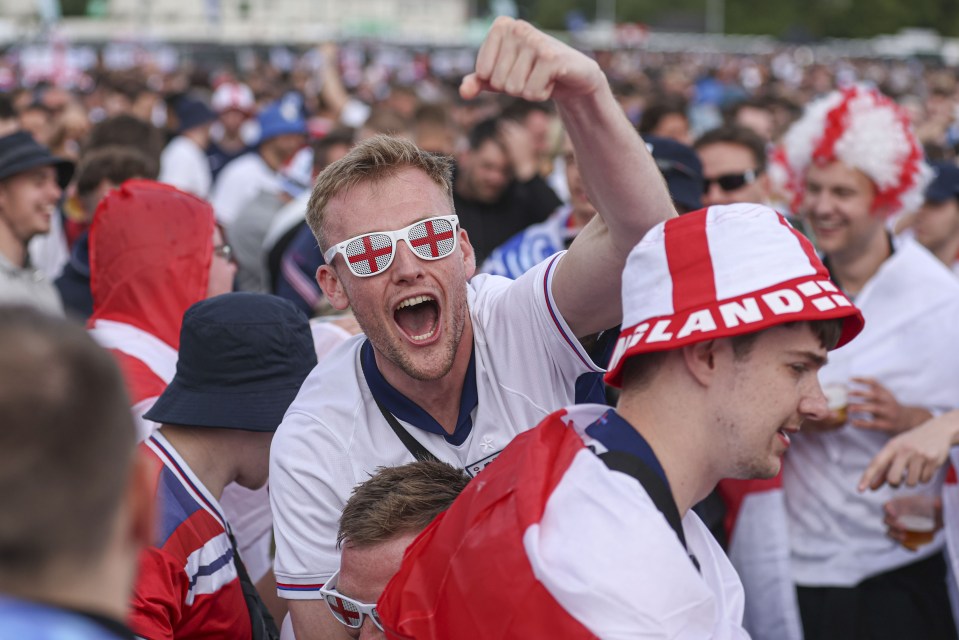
x=936, y=226
x=242, y=359
x=379, y=521
x=73, y=493
x=734, y=166
x=449, y=367
x=31, y=183
x=584, y=526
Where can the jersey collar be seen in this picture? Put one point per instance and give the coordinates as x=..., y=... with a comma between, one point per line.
x=409, y=412
x=616, y=434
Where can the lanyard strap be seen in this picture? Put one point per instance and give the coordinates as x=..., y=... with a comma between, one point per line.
x=653, y=484
x=412, y=444
x=261, y=622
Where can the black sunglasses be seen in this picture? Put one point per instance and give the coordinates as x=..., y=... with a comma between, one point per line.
x=731, y=181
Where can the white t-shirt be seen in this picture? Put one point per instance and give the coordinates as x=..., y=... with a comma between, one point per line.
x=837, y=535
x=238, y=183
x=184, y=165
x=525, y=365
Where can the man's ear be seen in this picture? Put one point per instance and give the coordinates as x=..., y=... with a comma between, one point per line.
x=332, y=287
x=469, y=254
x=701, y=361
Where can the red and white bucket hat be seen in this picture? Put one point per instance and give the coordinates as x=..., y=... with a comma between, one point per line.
x=721, y=272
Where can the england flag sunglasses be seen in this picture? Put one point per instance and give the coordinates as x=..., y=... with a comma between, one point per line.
x=372, y=253
x=348, y=611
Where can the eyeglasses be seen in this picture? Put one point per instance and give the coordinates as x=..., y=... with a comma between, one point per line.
x=348, y=611
x=372, y=253
x=731, y=181
x=224, y=251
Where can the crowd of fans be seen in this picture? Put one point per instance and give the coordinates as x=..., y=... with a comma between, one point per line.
x=396, y=216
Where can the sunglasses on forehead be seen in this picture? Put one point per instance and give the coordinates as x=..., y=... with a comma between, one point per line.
x=731, y=181
x=347, y=611
x=372, y=253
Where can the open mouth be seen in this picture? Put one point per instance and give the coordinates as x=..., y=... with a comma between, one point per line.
x=418, y=317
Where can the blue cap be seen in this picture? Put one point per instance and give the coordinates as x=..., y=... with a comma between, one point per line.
x=280, y=118
x=243, y=357
x=946, y=183
x=682, y=169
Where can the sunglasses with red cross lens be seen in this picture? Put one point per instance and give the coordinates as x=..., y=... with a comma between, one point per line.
x=348, y=611
x=370, y=254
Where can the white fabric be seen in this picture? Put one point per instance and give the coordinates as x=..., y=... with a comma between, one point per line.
x=333, y=436
x=759, y=550
x=292, y=213
x=184, y=165
x=28, y=286
x=837, y=535
x=648, y=294
x=629, y=576
x=238, y=183
x=247, y=510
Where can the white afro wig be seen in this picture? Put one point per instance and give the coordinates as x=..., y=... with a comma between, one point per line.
x=863, y=129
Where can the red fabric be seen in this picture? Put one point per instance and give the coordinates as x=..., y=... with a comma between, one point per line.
x=480, y=540
x=690, y=263
x=150, y=253
x=140, y=380
x=734, y=492
x=161, y=609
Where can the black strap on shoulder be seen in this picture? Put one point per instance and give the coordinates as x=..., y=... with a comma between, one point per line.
x=412, y=444
x=654, y=485
x=261, y=622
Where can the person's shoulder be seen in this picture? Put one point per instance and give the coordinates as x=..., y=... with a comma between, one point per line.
x=331, y=391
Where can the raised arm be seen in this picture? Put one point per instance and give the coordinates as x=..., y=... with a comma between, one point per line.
x=621, y=178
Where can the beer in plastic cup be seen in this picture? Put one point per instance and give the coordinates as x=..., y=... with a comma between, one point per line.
x=920, y=530
x=837, y=397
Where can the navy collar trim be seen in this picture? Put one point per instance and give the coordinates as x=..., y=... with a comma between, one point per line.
x=410, y=412
x=616, y=434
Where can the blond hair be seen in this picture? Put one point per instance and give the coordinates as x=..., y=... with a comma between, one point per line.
x=397, y=500
x=380, y=157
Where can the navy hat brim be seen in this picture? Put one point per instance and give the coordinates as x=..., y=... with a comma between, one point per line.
x=260, y=411
x=63, y=167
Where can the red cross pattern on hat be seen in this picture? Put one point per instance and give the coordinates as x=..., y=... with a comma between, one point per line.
x=721, y=272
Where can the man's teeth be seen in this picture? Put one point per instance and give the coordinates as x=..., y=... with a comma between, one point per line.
x=409, y=302
x=425, y=336
x=785, y=435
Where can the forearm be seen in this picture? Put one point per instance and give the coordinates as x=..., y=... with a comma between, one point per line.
x=620, y=175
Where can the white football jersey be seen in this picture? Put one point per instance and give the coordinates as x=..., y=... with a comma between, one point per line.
x=525, y=365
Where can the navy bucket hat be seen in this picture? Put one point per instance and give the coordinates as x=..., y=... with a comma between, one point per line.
x=243, y=357
x=19, y=152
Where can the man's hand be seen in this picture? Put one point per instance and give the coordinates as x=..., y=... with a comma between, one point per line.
x=518, y=60
x=915, y=456
x=885, y=411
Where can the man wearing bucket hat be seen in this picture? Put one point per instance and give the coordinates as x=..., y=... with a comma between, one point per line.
x=852, y=163
x=728, y=316
x=282, y=133
x=242, y=359
x=184, y=163
x=31, y=182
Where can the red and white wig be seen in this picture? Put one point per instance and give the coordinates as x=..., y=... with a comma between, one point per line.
x=863, y=129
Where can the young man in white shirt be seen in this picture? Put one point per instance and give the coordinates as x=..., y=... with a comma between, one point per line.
x=457, y=368
x=584, y=528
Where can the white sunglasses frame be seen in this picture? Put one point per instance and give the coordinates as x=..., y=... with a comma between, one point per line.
x=364, y=609
x=395, y=237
